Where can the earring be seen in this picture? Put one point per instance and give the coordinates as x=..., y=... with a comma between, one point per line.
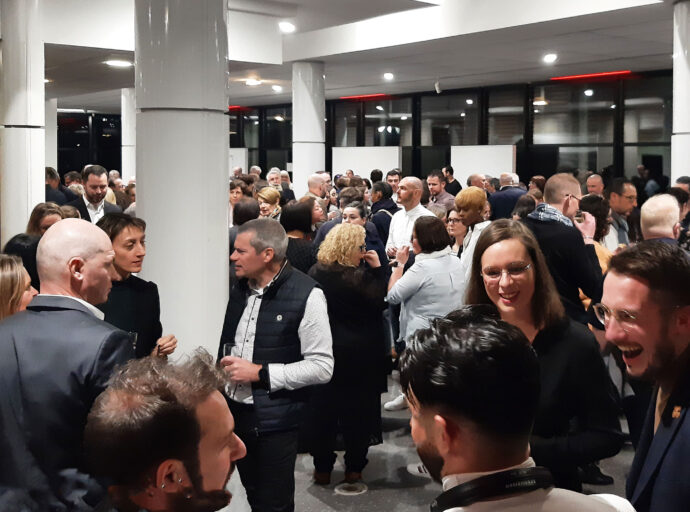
x=163, y=485
x=179, y=480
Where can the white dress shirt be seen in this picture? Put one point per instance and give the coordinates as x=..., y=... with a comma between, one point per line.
x=316, y=343
x=402, y=222
x=96, y=211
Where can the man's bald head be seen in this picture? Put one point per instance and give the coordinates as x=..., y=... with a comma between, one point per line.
x=72, y=257
x=659, y=217
x=595, y=185
x=410, y=192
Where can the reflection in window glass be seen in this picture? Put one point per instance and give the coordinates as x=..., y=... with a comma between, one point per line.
x=506, y=116
x=648, y=109
x=584, y=158
x=451, y=120
x=574, y=113
x=277, y=158
x=388, y=123
x=278, y=127
x=653, y=157
x=433, y=158
x=346, y=124
x=251, y=129
x=234, y=130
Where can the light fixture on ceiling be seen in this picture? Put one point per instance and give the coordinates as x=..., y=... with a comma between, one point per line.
x=613, y=107
x=536, y=110
x=469, y=101
x=403, y=118
x=437, y=86
x=277, y=88
x=389, y=129
x=47, y=80
x=379, y=107
x=388, y=76
x=119, y=63
x=286, y=27
x=550, y=58
x=381, y=129
x=279, y=118
x=253, y=82
x=539, y=102
x=462, y=114
x=589, y=92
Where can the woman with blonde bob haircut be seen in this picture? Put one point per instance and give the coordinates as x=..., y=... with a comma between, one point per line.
x=351, y=401
x=269, y=203
x=15, y=286
x=42, y=217
x=577, y=422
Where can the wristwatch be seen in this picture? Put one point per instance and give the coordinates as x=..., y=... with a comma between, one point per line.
x=264, y=378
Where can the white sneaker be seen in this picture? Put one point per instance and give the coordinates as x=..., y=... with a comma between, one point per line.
x=418, y=469
x=397, y=404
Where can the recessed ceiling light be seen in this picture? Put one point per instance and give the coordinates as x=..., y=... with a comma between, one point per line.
x=550, y=58
x=613, y=107
x=279, y=118
x=117, y=63
x=403, y=118
x=388, y=76
x=536, y=110
x=253, y=82
x=389, y=129
x=469, y=101
x=47, y=80
x=286, y=27
x=589, y=92
x=277, y=88
x=381, y=128
x=379, y=107
x=539, y=103
x=463, y=114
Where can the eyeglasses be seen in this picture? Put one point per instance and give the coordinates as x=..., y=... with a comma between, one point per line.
x=363, y=248
x=451, y=220
x=514, y=270
x=626, y=319
x=631, y=198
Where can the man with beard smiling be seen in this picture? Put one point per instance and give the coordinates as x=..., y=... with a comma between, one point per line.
x=645, y=309
x=164, y=437
x=472, y=382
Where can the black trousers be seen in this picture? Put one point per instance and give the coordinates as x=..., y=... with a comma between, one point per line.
x=268, y=470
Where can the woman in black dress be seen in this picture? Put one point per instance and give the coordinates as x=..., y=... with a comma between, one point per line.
x=577, y=421
x=133, y=304
x=296, y=220
x=351, y=402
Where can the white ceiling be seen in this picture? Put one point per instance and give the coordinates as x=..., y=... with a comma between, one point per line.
x=638, y=39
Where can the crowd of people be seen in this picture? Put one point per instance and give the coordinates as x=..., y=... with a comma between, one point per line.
x=521, y=321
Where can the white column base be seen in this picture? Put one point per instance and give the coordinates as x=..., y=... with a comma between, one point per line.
x=307, y=158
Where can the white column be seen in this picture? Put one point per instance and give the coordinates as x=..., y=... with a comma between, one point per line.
x=182, y=160
x=308, y=125
x=51, y=134
x=128, y=129
x=680, y=140
x=22, y=138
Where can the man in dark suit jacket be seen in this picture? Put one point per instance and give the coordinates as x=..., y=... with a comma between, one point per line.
x=93, y=206
x=55, y=359
x=646, y=312
x=55, y=191
x=503, y=201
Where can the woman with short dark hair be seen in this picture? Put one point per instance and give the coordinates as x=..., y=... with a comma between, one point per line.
x=296, y=220
x=577, y=421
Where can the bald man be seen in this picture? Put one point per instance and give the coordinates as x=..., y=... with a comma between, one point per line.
x=402, y=222
x=55, y=359
x=595, y=185
x=659, y=219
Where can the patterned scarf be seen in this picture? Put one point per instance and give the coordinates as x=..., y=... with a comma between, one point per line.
x=547, y=213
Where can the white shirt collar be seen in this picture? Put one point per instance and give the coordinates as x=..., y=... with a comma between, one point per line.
x=96, y=312
x=414, y=210
x=94, y=207
x=451, y=481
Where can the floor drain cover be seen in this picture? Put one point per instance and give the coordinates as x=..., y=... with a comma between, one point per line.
x=346, y=489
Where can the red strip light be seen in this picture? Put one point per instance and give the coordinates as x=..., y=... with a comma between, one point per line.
x=607, y=74
x=365, y=96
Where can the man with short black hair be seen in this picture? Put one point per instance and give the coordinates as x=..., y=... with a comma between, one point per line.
x=393, y=179
x=622, y=197
x=93, y=206
x=684, y=183
x=436, y=182
x=452, y=185
x=376, y=176
x=72, y=177
x=276, y=341
x=645, y=310
x=56, y=192
x=473, y=385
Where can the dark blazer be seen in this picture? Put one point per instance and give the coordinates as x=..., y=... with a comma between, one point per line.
x=381, y=215
x=503, y=201
x=660, y=472
x=55, y=359
x=81, y=206
x=55, y=196
x=134, y=306
x=573, y=265
x=300, y=254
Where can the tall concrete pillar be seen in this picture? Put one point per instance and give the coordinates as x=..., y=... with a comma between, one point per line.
x=181, y=53
x=22, y=111
x=308, y=122
x=680, y=140
x=51, y=133
x=128, y=129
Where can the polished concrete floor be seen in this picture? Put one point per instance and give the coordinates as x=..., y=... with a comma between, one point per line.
x=390, y=486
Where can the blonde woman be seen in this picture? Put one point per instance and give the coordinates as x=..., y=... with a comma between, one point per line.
x=15, y=286
x=42, y=217
x=269, y=203
x=350, y=402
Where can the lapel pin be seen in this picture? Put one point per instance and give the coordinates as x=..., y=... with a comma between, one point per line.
x=676, y=412
x=279, y=318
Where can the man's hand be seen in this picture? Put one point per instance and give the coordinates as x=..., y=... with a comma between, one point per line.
x=165, y=346
x=372, y=258
x=587, y=227
x=240, y=370
x=391, y=252
x=402, y=255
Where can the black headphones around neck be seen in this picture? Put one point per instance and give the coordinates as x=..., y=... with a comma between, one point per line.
x=495, y=485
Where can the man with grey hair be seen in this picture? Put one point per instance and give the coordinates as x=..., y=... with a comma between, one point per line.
x=274, y=180
x=503, y=201
x=476, y=180
x=276, y=341
x=55, y=359
x=237, y=171
x=660, y=219
x=255, y=169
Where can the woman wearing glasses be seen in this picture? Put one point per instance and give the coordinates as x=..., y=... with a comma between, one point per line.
x=577, y=421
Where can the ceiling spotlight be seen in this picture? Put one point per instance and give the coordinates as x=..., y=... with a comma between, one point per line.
x=550, y=58
x=279, y=118
x=253, y=82
x=277, y=88
x=462, y=114
x=536, y=110
x=47, y=80
x=381, y=128
x=437, y=86
x=286, y=27
x=379, y=107
x=589, y=92
x=389, y=129
x=469, y=101
x=540, y=102
x=403, y=118
x=116, y=63
x=388, y=76
x=613, y=107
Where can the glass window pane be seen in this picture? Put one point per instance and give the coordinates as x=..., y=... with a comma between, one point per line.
x=574, y=113
x=346, y=124
x=433, y=158
x=506, y=116
x=279, y=127
x=547, y=160
x=450, y=120
x=654, y=158
x=233, y=130
x=251, y=129
x=388, y=123
x=277, y=158
x=648, y=109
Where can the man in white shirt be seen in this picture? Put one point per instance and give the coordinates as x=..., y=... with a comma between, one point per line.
x=472, y=381
x=409, y=197
x=92, y=205
x=276, y=341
